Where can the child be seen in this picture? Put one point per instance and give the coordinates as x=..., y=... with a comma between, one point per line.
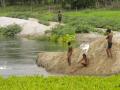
x=109, y=41
x=59, y=16
x=69, y=53
x=84, y=61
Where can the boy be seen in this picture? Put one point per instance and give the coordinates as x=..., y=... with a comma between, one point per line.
x=84, y=61
x=109, y=41
x=69, y=53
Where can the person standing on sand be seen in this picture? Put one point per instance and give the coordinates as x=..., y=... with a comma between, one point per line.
x=109, y=41
x=59, y=16
x=69, y=53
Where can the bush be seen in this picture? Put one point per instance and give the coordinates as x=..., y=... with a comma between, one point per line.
x=62, y=30
x=10, y=30
x=83, y=28
x=54, y=37
x=44, y=22
x=63, y=38
x=38, y=38
x=67, y=38
x=20, y=15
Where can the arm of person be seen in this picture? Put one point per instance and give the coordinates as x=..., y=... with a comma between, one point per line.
x=107, y=37
x=87, y=61
x=71, y=49
x=81, y=60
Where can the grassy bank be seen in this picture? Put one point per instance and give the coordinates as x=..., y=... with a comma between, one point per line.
x=97, y=18
x=82, y=21
x=61, y=83
x=25, y=12
x=10, y=30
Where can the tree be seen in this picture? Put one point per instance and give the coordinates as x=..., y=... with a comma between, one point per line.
x=3, y=3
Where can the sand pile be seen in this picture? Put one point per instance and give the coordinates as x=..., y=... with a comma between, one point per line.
x=99, y=63
x=29, y=27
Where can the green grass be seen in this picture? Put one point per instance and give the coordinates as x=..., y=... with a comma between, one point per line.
x=103, y=18
x=10, y=30
x=61, y=83
x=25, y=12
x=96, y=18
x=83, y=21
x=86, y=21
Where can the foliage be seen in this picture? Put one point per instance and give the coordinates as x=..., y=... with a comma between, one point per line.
x=10, y=30
x=63, y=34
x=60, y=83
x=39, y=38
x=63, y=3
x=82, y=29
x=81, y=21
x=67, y=38
x=63, y=38
x=20, y=15
x=44, y=22
x=94, y=18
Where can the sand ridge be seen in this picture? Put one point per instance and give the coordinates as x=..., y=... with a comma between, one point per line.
x=99, y=63
x=29, y=27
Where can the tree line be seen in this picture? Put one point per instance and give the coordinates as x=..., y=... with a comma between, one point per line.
x=68, y=4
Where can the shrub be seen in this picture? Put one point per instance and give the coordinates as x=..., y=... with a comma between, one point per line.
x=63, y=38
x=54, y=37
x=38, y=38
x=44, y=22
x=20, y=15
x=66, y=38
x=62, y=30
x=10, y=30
x=83, y=28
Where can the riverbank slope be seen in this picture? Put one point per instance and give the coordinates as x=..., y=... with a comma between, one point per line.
x=99, y=63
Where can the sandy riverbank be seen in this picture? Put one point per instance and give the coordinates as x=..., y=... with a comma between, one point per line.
x=100, y=64
x=29, y=27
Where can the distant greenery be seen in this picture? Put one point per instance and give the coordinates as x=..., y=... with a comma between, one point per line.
x=10, y=30
x=60, y=83
x=86, y=21
x=69, y=4
x=83, y=21
x=95, y=18
x=25, y=12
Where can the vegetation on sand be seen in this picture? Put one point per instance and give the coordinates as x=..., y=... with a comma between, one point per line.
x=10, y=30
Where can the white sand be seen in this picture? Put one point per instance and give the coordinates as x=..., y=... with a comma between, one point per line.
x=29, y=27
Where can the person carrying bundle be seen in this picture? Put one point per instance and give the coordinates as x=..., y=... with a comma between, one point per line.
x=84, y=61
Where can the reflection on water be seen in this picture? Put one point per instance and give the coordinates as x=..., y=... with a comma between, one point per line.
x=18, y=56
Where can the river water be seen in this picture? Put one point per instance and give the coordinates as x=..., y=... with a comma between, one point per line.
x=18, y=56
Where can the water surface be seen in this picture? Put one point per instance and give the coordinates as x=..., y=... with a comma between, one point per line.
x=18, y=56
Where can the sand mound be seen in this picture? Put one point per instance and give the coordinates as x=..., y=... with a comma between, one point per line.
x=29, y=27
x=99, y=63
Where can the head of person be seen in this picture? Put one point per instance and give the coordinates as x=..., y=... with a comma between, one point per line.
x=59, y=11
x=84, y=55
x=69, y=43
x=108, y=31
